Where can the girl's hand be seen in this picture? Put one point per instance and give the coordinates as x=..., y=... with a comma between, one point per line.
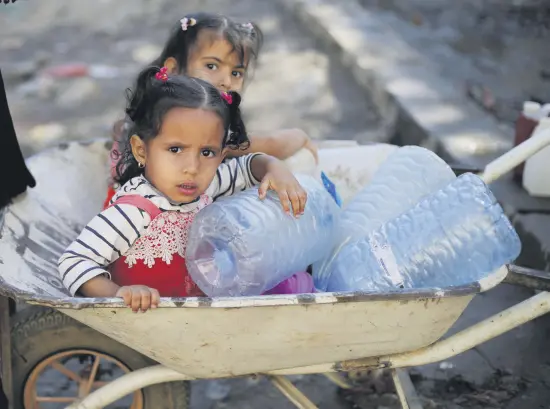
x=282, y=181
x=139, y=297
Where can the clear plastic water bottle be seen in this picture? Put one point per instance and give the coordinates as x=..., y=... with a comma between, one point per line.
x=240, y=246
x=454, y=236
x=406, y=176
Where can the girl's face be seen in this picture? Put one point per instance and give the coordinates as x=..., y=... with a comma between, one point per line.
x=181, y=161
x=215, y=61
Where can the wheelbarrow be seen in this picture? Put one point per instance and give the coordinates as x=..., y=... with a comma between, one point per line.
x=208, y=338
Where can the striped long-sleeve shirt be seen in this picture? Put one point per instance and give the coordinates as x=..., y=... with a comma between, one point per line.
x=111, y=233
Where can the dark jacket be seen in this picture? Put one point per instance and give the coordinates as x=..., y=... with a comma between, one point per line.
x=15, y=177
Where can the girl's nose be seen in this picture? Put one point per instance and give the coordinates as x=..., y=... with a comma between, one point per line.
x=225, y=82
x=191, y=165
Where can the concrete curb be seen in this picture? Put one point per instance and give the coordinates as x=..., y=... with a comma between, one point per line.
x=417, y=104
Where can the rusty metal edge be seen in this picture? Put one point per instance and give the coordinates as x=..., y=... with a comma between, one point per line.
x=403, y=296
x=528, y=277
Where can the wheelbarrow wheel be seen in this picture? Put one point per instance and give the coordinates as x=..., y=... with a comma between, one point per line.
x=57, y=360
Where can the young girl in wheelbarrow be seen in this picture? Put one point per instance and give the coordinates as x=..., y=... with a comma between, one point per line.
x=171, y=167
x=218, y=50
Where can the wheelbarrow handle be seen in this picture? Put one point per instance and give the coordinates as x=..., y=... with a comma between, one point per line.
x=515, y=156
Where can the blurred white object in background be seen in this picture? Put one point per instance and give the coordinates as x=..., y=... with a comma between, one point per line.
x=347, y=164
x=536, y=175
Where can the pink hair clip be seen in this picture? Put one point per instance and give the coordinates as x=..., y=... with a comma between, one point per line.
x=162, y=75
x=248, y=26
x=187, y=22
x=228, y=97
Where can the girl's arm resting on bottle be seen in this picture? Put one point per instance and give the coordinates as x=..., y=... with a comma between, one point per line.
x=238, y=174
x=107, y=237
x=233, y=176
x=281, y=144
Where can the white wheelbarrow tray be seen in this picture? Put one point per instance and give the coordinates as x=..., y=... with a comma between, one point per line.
x=210, y=338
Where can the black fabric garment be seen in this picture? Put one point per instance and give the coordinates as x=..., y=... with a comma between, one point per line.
x=14, y=174
x=3, y=397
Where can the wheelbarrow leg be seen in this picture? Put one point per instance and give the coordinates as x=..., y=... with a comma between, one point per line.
x=405, y=389
x=128, y=384
x=292, y=393
x=338, y=380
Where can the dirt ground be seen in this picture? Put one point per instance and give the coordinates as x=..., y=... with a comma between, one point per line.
x=295, y=85
x=496, y=51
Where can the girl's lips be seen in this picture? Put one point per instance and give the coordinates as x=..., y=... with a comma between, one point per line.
x=187, y=189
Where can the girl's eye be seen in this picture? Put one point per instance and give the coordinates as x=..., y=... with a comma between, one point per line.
x=208, y=153
x=237, y=74
x=211, y=66
x=175, y=149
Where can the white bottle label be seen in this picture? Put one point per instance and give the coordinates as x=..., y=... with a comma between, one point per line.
x=386, y=259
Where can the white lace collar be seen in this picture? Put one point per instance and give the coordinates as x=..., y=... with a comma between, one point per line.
x=139, y=185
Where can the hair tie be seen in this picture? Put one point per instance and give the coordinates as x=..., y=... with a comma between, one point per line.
x=248, y=26
x=162, y=75
x=228, y=97
x=187, y=22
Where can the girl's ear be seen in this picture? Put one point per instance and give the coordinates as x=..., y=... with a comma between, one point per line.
x=224, y=152
x=171, y=65
x=138, y=149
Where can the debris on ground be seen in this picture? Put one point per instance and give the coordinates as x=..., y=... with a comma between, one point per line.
x=495, y=392
x=372, y=389
x=375, y=389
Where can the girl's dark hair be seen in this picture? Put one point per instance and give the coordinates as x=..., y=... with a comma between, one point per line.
x=152, y=98
x=246, y=38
